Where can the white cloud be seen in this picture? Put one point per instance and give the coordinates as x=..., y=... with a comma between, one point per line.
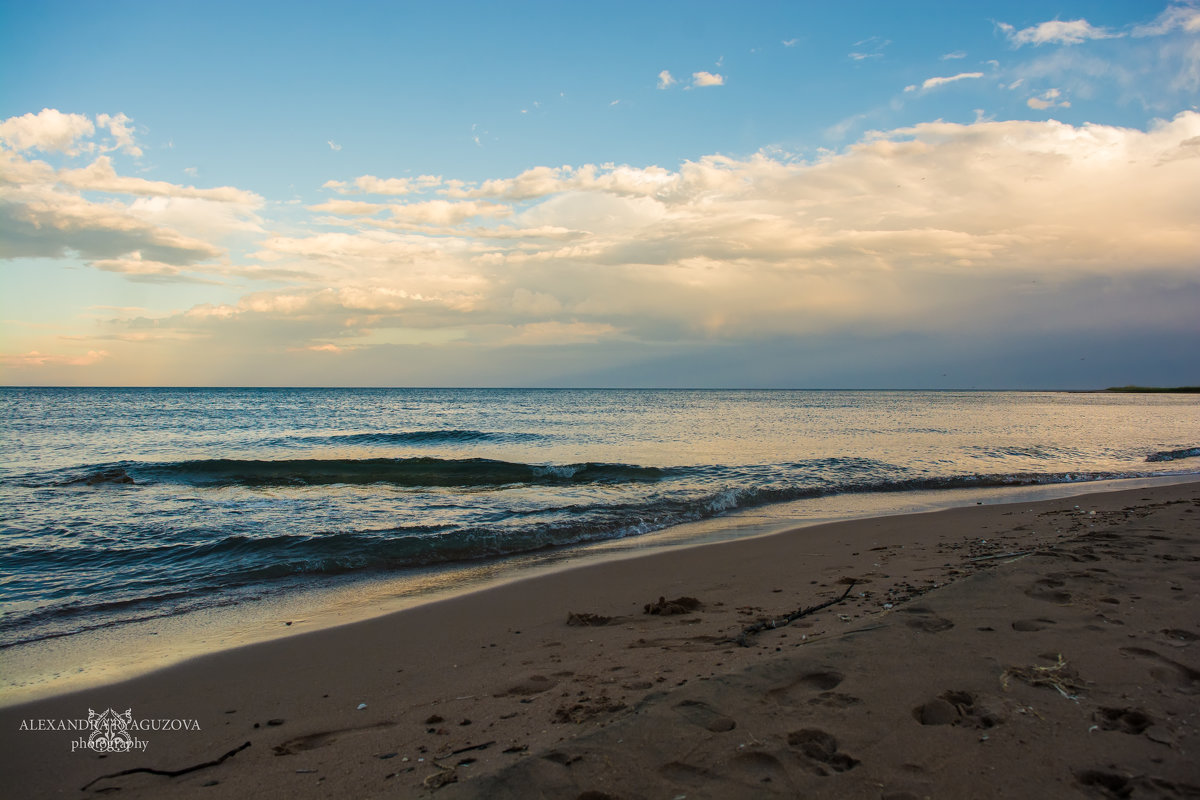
x=119, y=126
x=49, y=130
x=936, y=228
x=1047, y=99
x=1183, y=16
x=933, y=83
x=558, y=333
x=789, y=42
x=939, y=224
x=369, y=184
x=35, y=359
x=101, y=176
x=707, y=79
x=407, y=215
x=145, y=270
x=42, y=222
x=333, y=145
x=953, y=56
x=871, y=47
x=1056, y=32
x=139, y=227
x=666, y=80
x=348, y=207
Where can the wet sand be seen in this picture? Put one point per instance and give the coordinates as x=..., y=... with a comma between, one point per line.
x=1028, y=650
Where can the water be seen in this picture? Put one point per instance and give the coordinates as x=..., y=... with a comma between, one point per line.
x=121, y=505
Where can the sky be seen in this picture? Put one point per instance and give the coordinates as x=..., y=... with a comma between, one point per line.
x=874, y=195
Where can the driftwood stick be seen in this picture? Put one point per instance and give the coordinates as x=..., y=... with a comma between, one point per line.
x=170, y=773
x=1001, y=555
x=790, y=618
x=483, y=746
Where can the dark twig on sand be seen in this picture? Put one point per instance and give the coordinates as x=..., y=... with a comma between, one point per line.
x=483, y=746
x=771, y=624
x=170, y=773
x=1001, y=555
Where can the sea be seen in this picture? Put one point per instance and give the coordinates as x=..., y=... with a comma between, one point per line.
x=123, y=507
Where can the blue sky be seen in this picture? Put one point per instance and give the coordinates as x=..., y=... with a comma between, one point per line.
x=692, y=194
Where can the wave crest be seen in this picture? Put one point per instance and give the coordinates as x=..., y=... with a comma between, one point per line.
x=1174, y=455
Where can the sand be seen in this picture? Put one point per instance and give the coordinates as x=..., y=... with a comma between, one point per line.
x=1030, y=650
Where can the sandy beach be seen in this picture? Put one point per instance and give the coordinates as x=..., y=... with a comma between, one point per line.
x=1031, y=650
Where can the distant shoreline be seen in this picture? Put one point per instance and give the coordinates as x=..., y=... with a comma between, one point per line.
x=1154, y=389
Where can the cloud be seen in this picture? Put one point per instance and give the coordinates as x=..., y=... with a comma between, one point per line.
x=426, y=213
x=666, y=80
x=369, y=184
x=1183, y=16
x=138, y=227
x=543, y=181
x=707, y=79
x=1047, y=99
x=333, y=145
x=953, y=56
x=349, y=207
x=558, y=333
x=871, y=47
x=789, y=42
x=101, y=176
x=41, y=223
x=49, y=130
x=934, y=228
x=933, y=83
x=142, y=270
x=35, y=359
x=1056, y=32
x=119, y=126
x=941, y=230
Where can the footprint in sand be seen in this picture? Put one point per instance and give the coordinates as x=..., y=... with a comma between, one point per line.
x=802, y=687
x=1126, y=720
x=534, y=684
x=757, y=768
x=822, y=680
x=834, y=700
x=702, y=714
x=687, y=774
x=955, y=708
x=1029, y=625
x=821, y=750
x=1050, y=590
x=925, y=620
x=312, y=741
x=1168, y=671
x=1109, y=784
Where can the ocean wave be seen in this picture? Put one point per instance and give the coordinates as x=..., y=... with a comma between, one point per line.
x=449, y=436
x=406, y=472
x=98, y=580
x=1174, y=455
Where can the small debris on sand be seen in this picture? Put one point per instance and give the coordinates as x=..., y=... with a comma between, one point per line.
x=680, y=605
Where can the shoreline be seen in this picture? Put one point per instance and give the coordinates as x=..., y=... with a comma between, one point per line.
x=34, y=670
x=493, y=689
